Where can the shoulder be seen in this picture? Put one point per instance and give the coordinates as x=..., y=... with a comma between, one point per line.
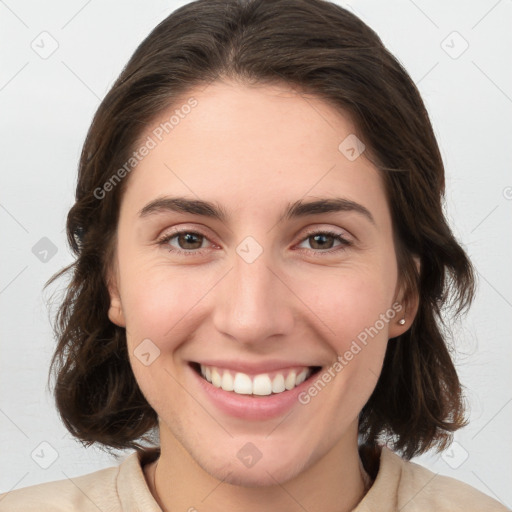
x=87, y=492
x=414, y=488
x=91, y=492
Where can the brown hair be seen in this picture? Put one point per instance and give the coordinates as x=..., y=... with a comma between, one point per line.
x=319, y=48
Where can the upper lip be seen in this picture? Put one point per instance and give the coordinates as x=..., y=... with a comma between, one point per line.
x=253, y=367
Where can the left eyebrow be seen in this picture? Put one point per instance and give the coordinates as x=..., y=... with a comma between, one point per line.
x=293, y=210
x=325, y=205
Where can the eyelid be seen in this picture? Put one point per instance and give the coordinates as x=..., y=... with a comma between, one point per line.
x=306, y=231
x=340, y=235
x=328, y=229
x=175, y=231
x=344, y=242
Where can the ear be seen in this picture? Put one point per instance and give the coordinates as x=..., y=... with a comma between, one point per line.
x=115, y=312
x=407, y=305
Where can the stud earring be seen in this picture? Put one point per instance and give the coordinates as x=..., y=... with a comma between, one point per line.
x=402, y=320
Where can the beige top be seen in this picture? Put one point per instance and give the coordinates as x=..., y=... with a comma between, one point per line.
x=399, y=485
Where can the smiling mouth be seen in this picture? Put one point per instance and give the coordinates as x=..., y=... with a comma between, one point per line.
x=263, y=384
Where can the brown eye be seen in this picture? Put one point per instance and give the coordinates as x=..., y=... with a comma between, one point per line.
x=189, y=240
x=188, y=243
x=322, y=241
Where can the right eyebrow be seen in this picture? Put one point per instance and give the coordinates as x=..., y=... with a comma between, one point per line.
x=184, y=205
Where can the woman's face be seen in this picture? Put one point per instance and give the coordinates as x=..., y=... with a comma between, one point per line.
x=254, y=290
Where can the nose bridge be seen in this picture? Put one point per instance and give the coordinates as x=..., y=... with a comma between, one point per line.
x=254, y=305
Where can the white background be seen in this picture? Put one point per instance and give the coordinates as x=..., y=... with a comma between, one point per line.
x=46, y=106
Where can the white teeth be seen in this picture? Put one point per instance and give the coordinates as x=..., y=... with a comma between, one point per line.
x=301, y=377
x=278, y=384
x=227, y=382
x=216, y=378
x=242, y=384
x=289, y=382
x=260, y=385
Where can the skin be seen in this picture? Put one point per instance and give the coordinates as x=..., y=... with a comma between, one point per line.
x=254, y=149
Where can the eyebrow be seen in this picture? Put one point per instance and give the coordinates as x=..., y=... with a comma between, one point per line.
x=213, y=210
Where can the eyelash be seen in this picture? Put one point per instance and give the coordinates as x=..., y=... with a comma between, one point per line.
x=194, y=252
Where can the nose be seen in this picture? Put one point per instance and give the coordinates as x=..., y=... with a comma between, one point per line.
x=253, y=303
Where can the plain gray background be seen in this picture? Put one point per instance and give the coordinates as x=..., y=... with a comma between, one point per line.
x=59, y=59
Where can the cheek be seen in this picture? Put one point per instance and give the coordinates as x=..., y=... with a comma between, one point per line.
x=348, y=301
x=157, y=299
x=159, y=306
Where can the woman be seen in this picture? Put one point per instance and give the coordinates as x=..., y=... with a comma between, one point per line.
x=262, y=258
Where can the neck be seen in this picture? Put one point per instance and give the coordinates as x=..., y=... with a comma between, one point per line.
x=335, y=483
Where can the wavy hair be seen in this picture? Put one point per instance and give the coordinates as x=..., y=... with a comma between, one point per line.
x=320, y=48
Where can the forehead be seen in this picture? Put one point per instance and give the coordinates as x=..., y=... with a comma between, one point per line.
x=240, y=145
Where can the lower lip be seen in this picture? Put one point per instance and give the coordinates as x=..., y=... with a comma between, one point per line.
x=250, y=407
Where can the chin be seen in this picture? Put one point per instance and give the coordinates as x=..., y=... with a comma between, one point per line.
x=264, y=473
x=257, y=477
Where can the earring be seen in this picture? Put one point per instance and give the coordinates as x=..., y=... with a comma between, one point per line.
x=402, y=320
